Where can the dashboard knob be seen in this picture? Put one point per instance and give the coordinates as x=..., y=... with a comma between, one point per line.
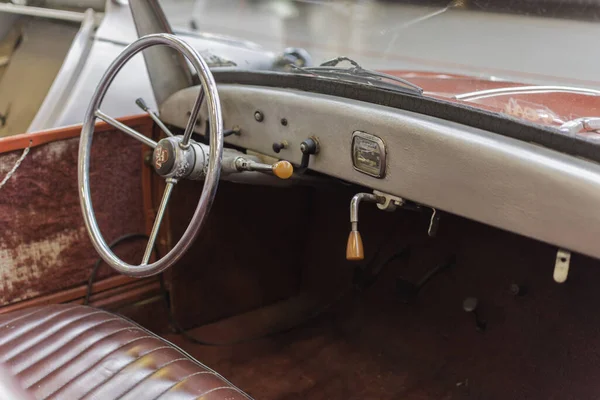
x=278, y=146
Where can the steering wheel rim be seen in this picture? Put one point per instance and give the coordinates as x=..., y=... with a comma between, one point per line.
x=209, y=90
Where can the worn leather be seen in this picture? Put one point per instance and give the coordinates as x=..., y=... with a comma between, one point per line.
x=77, y=352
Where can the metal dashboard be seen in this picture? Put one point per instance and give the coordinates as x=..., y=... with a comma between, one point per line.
x=504, y=182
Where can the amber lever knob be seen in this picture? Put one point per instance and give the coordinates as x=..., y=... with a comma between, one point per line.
x=283, y=169
x=355, y=250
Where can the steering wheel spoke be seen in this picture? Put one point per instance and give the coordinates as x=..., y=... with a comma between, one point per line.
x=125, y=129
x=158, y=220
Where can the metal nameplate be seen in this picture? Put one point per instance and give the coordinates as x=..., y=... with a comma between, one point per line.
x=368, y=154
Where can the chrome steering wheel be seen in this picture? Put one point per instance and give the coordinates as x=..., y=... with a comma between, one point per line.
x=175, y=158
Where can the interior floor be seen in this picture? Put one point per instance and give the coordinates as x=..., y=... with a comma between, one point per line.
x=361, y=331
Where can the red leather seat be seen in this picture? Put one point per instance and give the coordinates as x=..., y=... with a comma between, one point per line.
x=76, y=352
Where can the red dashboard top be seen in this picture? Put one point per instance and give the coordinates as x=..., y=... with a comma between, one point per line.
x=547, y=105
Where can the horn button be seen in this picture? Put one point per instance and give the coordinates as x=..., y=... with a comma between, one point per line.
x=164, y=157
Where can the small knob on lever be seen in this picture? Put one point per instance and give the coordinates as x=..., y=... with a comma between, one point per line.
x=142, y=104
x=354, y=249
x=281, y=169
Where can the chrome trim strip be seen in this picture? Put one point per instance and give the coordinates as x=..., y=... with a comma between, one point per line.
x=482, y=94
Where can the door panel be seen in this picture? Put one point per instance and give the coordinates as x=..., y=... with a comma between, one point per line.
x=44, y=247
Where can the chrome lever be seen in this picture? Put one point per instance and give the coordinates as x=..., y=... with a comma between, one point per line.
x=354, y=249
x=281, y=169
x=142, y=104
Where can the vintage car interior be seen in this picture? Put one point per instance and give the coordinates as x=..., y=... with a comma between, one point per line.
x=287, y=233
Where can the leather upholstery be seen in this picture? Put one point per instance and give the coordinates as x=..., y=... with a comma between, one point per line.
x=76, y=352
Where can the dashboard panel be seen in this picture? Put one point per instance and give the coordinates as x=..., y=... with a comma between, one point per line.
x=504, y=182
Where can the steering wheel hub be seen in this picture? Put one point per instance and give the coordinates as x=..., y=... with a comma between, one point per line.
x=171, y=160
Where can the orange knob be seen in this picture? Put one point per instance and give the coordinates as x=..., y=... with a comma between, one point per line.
x=283, y=169
x=355, y=250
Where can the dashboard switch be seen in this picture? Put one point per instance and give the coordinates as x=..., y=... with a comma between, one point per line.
x=308, y=148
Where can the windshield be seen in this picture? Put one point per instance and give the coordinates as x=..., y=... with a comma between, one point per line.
x=463, y=50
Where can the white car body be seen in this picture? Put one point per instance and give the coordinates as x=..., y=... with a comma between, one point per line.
x=101, y=37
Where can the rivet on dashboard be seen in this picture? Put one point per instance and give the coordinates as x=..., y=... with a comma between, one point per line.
x=259, y=116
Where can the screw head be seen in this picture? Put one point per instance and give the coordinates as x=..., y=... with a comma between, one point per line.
x=148, y=158
x=259, y=116
x=517, y=289
x=284, y=121
x=514, y=289
x=470, y=304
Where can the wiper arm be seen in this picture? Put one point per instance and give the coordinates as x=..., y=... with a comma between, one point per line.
x=586, y=124
x=358, y=74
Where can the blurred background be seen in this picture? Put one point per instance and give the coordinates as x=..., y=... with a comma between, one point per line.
x=53, y=52
x=538, y=41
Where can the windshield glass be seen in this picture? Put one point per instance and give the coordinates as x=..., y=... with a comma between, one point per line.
x=469, y=51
